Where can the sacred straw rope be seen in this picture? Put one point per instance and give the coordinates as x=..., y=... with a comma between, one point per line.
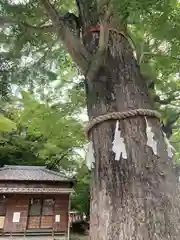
x=120, y=116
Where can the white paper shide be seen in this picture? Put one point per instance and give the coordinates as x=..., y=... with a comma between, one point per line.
x=119, y=146
x=151, y=142
x=170, y=149
x=90, y=159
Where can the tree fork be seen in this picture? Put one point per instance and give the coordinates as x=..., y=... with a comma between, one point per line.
x=73, y=44
x=134, y=198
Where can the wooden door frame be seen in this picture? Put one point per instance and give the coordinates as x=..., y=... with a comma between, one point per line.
x=41, y=209
x=5, y=211
x=53, y=209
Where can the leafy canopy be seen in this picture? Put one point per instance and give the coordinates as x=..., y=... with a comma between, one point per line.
x=32, y=54
x=51, y=134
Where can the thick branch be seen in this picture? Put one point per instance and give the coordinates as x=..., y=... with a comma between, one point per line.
x=97, y=60
x=76, y=49
x=81, y=13
x=88, y=13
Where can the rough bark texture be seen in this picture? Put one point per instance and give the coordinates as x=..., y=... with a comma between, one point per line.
x=137, y=198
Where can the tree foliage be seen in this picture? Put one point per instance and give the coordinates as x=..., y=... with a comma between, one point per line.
x=6, y=124
x=32, y=55
x=81, y=197
x=51, y=134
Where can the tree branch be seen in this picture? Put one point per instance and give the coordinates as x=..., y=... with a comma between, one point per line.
x=6, y=21
x=80, y=10
x=176, y=127
x=168, y=127
x=57, y=161
x=73, y=44
x=157, y=55
x=97, y=60
x=178, y=141
x=164, y=101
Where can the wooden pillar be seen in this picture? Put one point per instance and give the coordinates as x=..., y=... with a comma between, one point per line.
x=69, y=208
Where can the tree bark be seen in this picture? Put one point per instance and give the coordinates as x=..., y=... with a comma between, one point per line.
x=134, y=198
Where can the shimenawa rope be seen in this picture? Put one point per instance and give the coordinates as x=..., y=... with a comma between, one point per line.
x=120, y=116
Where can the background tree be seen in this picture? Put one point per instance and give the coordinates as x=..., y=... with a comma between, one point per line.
x=81, y=197
x=138, y=187
x=44, y=133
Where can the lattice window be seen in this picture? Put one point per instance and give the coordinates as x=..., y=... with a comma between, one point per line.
x=3, y=201
x=41, y=207
x=48, y=207
x=35, y=207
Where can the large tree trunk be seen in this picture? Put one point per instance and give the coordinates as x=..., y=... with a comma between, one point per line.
x=133, y=198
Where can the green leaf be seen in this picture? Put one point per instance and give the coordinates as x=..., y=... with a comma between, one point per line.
x=6, y=125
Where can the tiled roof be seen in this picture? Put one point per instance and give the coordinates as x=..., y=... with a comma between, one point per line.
x=30, y=173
